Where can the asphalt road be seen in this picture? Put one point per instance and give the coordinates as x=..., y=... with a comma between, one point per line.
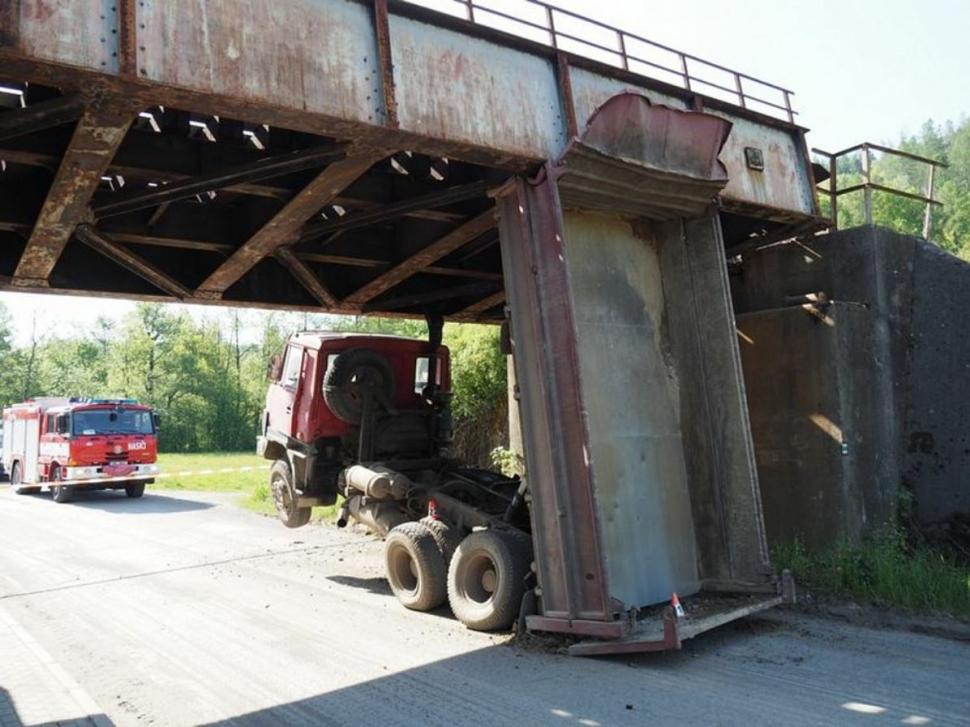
x=181, y=609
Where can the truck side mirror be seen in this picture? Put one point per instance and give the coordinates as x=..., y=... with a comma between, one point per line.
x=156, y=420
x=63, y=424
x=275, y=368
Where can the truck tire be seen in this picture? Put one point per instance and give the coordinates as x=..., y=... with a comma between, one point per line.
x=16, y=481
x=60, y=493
x=285, y=496
x=486, y=579
x=340, y=390
x=416, y=569
x=446, y=537
x=135, y=489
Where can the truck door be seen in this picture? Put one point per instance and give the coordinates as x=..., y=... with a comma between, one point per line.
x=281, y=402
x=31, y=450
x=306, y=409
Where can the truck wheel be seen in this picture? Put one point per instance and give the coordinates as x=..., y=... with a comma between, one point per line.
x=135, y=489
x=486, y=580
x=61, y=493
x=416, y=569
x=16, y=481
x=446, y=537
x=285, y=496
x=342, y=384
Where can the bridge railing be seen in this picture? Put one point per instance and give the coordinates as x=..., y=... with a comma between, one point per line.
x=569, y=31
x=867, y=186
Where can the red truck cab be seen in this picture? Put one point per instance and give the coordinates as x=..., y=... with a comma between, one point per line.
x=318, y=439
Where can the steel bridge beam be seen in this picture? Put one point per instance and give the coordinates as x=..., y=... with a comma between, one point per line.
x=97, y=137
x=285, y=226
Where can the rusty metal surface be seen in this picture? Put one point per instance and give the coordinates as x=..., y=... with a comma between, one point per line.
x=454, y=87
x=323, y=65
x=383, y=32
x=455, y=239
x=318, y=56
x=635, y=445
x=786, y=181
x=96, y=138
x=301, y=271
x=116, y=253
x=285, y=226
x=565, y=530
x=644, y=160
x=66, y=31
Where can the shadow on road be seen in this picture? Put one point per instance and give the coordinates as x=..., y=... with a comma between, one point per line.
x=10, y=716
x=371, y=585
x=116, y=502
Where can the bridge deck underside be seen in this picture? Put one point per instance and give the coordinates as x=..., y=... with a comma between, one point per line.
x=349, y=169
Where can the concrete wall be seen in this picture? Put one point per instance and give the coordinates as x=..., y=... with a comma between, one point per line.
x=890, y=375
x=821, y=446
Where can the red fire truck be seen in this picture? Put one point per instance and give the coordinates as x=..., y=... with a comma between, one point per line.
x=67, y=444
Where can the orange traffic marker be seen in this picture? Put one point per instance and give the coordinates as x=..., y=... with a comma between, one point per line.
x=678, y=609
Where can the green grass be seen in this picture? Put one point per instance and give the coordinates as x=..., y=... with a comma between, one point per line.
x=252, y=484
x=883, y=569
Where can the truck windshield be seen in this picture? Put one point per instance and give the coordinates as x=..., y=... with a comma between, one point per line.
x=112, y=421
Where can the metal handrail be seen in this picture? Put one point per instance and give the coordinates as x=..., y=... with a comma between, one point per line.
x=687, y=65
x=868, y=186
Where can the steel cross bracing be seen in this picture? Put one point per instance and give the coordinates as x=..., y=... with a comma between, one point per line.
x=351, y=171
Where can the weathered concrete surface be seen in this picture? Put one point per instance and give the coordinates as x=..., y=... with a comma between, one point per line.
x=901, y=372
x=936, y=444
x=814, y=395
x=183, y=610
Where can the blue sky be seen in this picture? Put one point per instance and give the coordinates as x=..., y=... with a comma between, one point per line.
x=861, y=71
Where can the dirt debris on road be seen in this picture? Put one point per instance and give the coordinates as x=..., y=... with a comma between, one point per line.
x=184, y=610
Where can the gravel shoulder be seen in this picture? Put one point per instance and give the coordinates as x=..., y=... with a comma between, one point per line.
x=182, y=609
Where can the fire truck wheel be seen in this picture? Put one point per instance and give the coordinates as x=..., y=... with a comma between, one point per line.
x=342, y=383
x=446, y=537
x=416, y=569
x=486, y=580
x=60, y=493
x=135, y=489
x=285, y=496
x=16, y=481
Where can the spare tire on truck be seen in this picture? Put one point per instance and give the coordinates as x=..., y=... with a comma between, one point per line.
x=486, y=578
x=351, y=371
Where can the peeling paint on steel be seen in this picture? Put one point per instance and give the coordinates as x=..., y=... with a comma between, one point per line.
x=68, y=31
x=320, y=57
x=785, y=183
x=464, y=89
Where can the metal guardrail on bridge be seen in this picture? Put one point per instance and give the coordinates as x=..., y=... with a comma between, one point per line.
x=867, y=186
x=569, y=31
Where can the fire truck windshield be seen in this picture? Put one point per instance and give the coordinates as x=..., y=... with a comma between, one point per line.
x=112, y=421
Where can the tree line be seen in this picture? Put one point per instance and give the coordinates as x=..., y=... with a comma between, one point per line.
x=208, y=379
